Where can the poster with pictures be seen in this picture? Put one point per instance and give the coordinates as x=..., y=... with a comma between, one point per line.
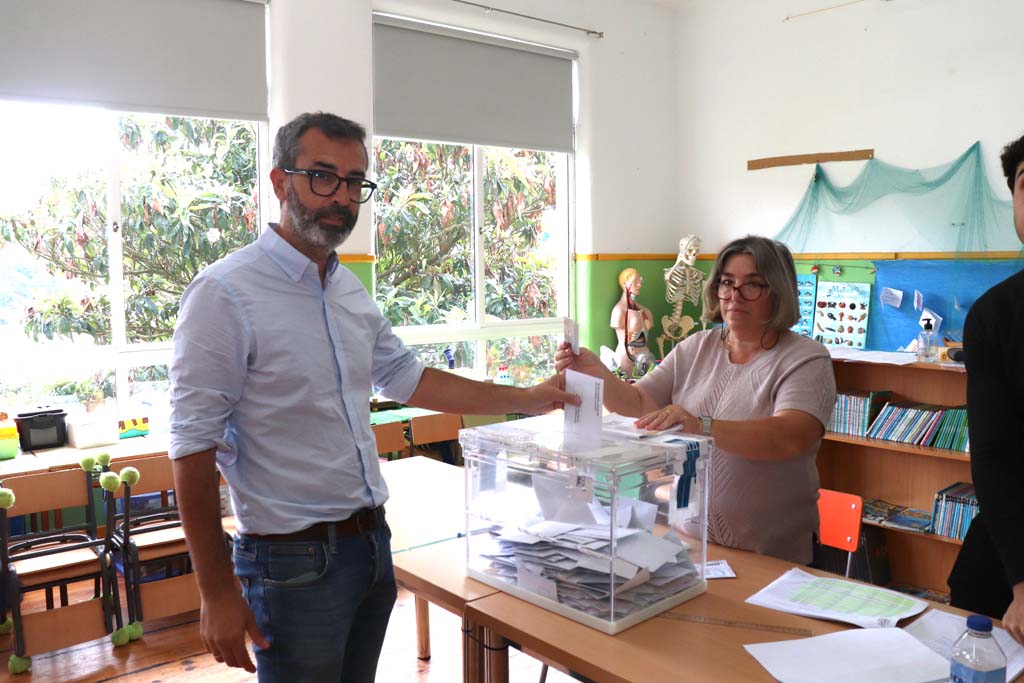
x=841, y=313
x=805, y=286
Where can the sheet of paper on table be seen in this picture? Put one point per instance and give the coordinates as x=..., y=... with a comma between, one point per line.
x=879, y=655
x=860, y=604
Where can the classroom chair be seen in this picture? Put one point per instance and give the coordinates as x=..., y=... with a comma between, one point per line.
x=840, y=519
x=151, y=544
x=56, y=558
x=390, y=438
x=440, y=430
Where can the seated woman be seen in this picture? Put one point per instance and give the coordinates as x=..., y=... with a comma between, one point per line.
x=762, y=392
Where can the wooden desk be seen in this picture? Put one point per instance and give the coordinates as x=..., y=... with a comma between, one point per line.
x=66, y=457
x=398, y=415
x=22, y=464
x=426, y=507
x=427, y=502
x=659, y=649
x=437, y=574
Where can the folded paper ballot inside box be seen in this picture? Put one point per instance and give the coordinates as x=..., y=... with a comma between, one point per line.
x=608, y=536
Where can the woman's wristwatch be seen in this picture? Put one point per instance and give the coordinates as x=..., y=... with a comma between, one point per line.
x=705, y=422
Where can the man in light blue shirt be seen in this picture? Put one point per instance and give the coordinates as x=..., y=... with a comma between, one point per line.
x=276, y=354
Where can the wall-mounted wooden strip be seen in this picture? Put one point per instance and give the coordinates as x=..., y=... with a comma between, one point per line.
x=356, y=258
x=826, y=256
x=819, y=158
x=638, y=257
x=846, y=256
x=959, y=254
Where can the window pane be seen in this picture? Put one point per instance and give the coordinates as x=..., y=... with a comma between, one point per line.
x=524, y=233
x=150, y=396
x=54, y=311
x=188, y=197
x=529, y=359
x=424, y=216
x=434, y=356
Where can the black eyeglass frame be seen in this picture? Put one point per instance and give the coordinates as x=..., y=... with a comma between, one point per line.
x=360, y=183
x=733, y=289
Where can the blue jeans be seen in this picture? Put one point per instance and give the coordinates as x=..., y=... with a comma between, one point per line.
x=323, y=610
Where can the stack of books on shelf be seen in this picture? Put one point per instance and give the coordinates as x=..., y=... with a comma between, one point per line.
x=955, y=506
x=922, y=424
x=923, y=593
x=855, y=411
x=896, y=516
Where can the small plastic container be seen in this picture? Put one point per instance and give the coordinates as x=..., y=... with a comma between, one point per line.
x=8, y=440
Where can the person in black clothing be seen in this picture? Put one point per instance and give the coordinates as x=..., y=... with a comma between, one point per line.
x=988, y=576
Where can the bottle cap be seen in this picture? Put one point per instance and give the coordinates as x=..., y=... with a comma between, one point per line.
x=977, y=622
x=927, y=323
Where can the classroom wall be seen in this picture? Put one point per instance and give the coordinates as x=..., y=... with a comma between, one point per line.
x=629, y=123
x=917, y=80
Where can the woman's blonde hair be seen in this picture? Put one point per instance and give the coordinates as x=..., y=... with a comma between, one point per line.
x=774, y=263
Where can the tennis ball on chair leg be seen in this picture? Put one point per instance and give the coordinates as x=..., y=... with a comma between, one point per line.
x=19, y=665
x=120, y=636
x=130, y=476
x=6, y=498
x=6, y=626
x=134, y=630
x=110, y=481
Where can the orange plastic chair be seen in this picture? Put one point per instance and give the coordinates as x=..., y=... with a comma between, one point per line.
x=840, y=515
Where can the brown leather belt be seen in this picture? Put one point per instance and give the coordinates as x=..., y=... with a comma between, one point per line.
x=362, y=522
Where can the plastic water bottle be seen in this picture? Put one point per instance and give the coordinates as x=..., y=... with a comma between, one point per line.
x=976, y=656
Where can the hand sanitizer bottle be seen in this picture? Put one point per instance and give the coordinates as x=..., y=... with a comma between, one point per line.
x=926, y=343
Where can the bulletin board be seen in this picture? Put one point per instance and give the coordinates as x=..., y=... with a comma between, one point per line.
x=947, y=286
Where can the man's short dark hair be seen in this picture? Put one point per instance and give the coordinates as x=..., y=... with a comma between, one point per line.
x=1013, y=154
x=286, y=144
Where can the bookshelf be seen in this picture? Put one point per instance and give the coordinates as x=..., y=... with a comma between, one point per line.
x=900, y=473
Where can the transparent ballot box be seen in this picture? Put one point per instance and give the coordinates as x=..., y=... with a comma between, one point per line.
x=609, y=535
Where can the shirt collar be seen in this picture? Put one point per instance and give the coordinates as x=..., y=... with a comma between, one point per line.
x=292, y=261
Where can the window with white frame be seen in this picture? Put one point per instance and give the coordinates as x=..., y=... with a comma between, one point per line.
x=472, y=253
x=473, y=233
x=105, y=218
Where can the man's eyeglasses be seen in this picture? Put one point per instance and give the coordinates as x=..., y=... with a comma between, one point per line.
x=749, y=291
x=325, y=184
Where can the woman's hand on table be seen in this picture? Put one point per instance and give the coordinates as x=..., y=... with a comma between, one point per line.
x=666, y=417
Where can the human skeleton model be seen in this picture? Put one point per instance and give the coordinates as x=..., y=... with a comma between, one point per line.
x=631, y=321
x=683, y=283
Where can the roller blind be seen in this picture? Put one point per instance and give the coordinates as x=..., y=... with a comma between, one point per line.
x=440, y=83
x=198, y=57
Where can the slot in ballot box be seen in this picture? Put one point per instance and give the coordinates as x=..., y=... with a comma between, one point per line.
x=609, y=535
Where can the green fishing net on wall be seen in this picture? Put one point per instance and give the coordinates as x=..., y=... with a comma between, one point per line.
x=950, y=210
x=947, y=208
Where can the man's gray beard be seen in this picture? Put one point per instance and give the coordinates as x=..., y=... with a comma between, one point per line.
x=308, y=227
